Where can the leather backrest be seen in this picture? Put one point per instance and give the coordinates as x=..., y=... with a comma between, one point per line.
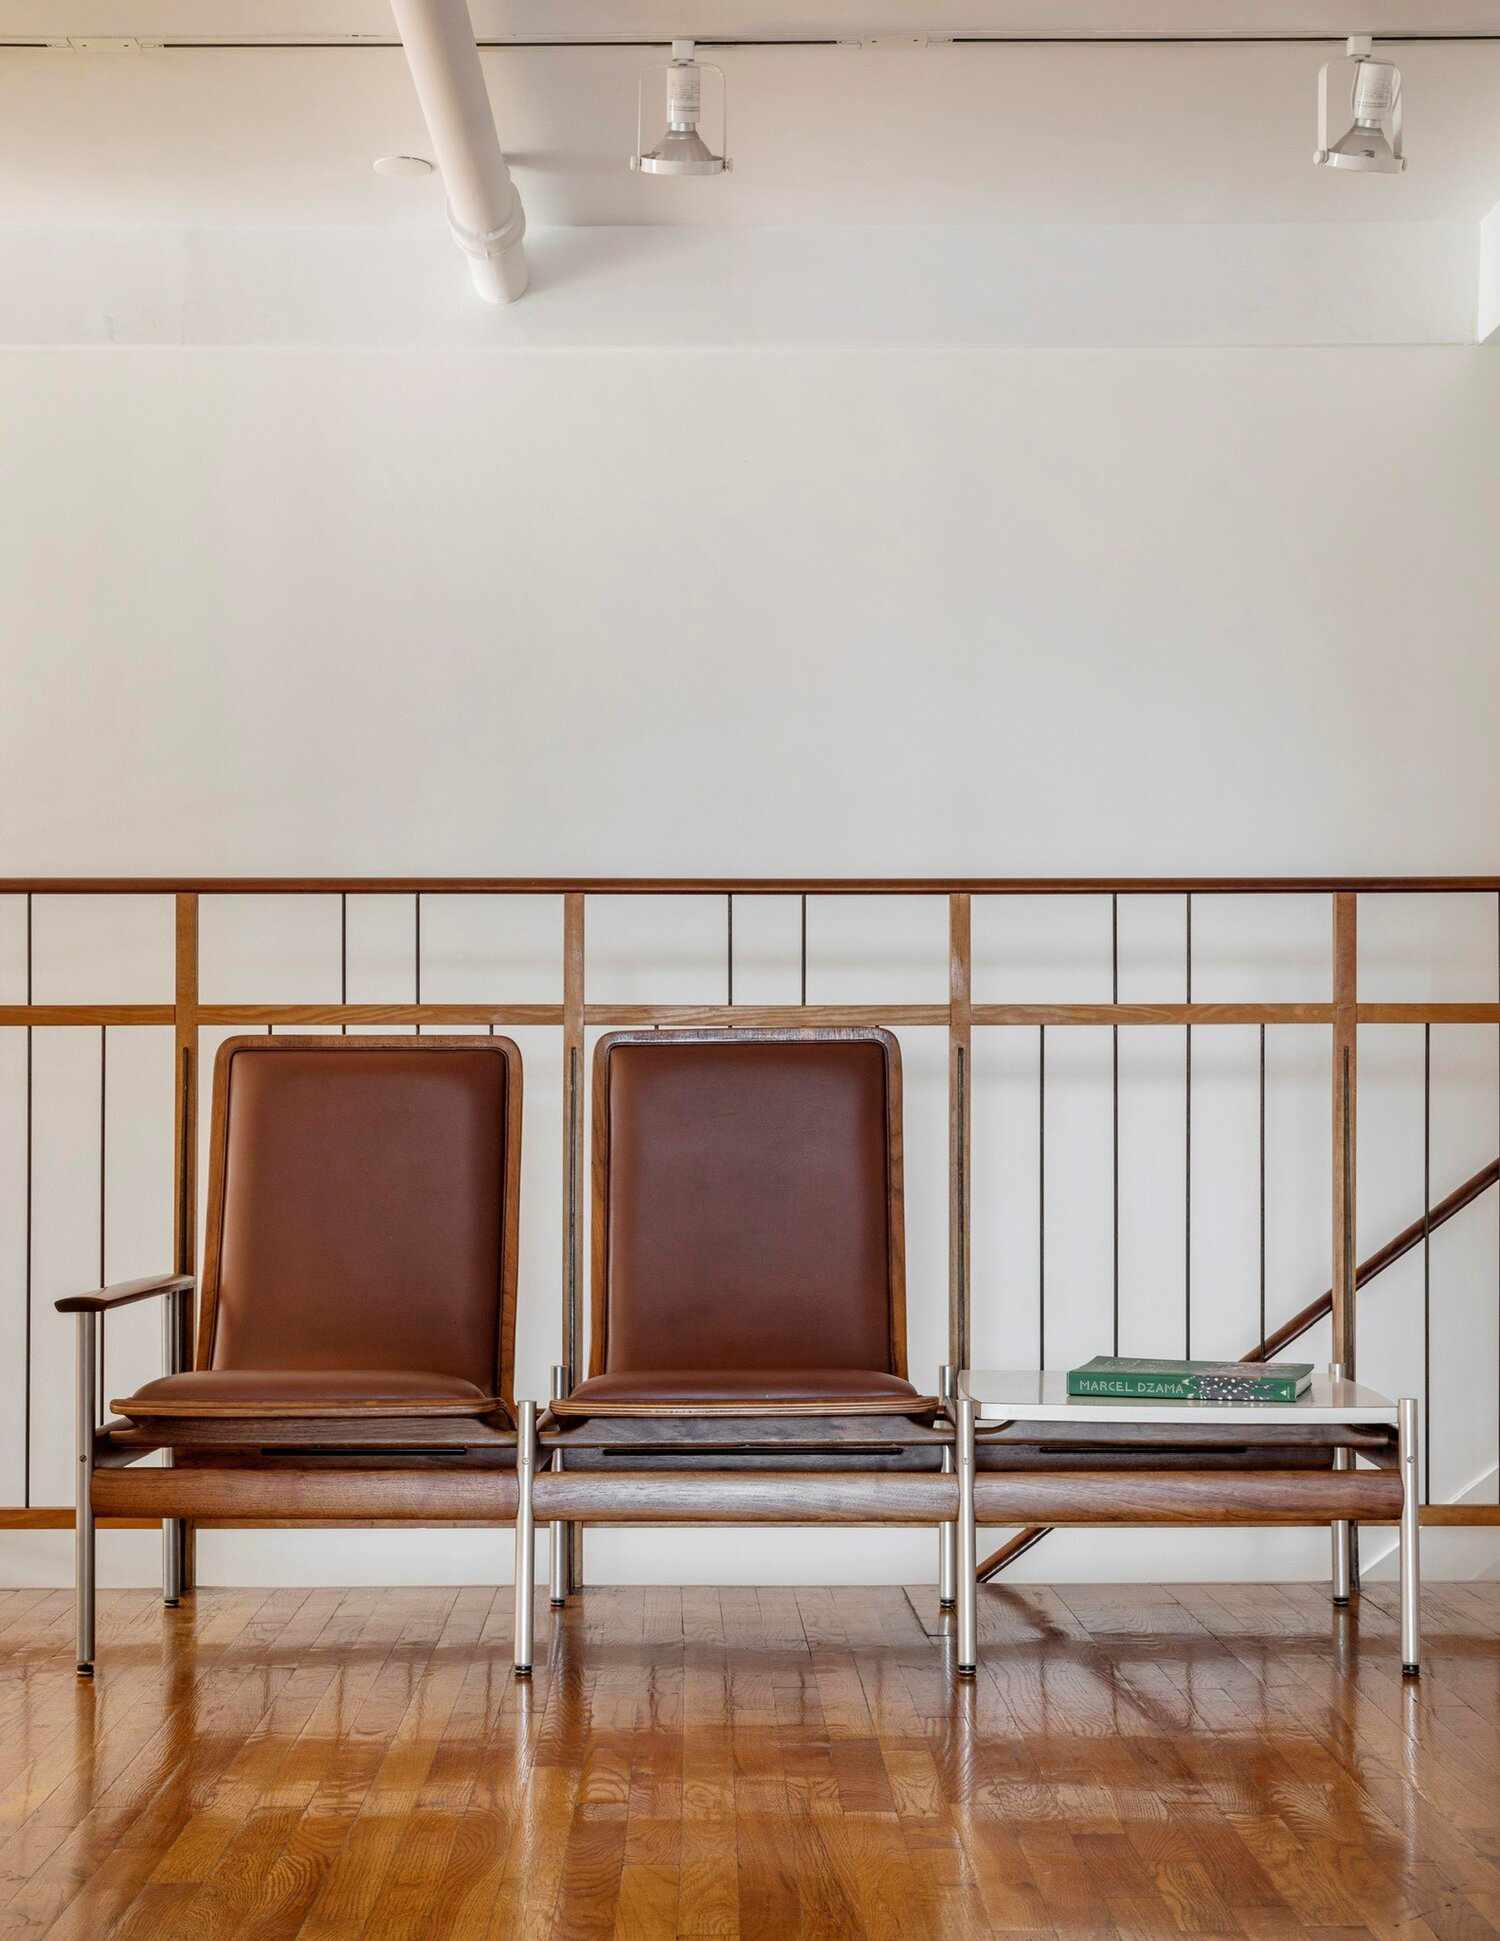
x=748, y=1201
x=363, y=1206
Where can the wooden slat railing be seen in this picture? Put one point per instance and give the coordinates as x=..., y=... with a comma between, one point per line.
x=572, y=1012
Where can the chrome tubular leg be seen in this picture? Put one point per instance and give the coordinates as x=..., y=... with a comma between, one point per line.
x=1342, y=1547
x=172, y=1533
x=173, y=1529
x=525, y=1536
x=557, y=1533
x=947, y=1532
x=968, y=1561
x=83, y=1521
x=1411, y=1561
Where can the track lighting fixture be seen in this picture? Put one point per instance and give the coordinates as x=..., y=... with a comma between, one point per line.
x=682, y=150
x=1373, y=143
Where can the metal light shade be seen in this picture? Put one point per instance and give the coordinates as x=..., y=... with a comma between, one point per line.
x=1364, y=148
x=681, y=150
x=1375, y=101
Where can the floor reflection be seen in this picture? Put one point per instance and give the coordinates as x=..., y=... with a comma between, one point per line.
x=1130, y=1760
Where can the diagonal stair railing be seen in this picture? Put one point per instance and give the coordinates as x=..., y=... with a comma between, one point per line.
x=1293, y=1330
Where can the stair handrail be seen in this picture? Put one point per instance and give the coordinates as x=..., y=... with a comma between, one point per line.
x=1412, y=1236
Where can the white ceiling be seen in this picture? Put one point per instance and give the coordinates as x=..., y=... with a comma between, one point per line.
x=846, y=134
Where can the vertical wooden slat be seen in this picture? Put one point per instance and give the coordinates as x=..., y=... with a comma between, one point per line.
x=1345, y=953
x=185, y=1151
x=573, y=1121
x=960, y=1122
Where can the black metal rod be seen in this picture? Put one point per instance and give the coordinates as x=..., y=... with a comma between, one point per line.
x=1187, y=1148
x=1263, y=1192
x=1114, y=1080
x=729, y=945
x=1041, y=1196
x=416, y=954
x=804, y=947
x=344, y=956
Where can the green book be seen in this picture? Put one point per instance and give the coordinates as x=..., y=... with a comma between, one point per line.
x=1128, y=1378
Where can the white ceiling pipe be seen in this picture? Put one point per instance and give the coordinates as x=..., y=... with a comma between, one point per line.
x=484, y=209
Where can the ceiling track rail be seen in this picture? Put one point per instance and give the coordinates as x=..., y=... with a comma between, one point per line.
x=915, y=43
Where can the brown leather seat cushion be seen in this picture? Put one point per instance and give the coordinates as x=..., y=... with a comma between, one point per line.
x=773, y=1391
x=312, y=1392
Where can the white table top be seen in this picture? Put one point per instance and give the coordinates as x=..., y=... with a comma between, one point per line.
x=1030, y=1395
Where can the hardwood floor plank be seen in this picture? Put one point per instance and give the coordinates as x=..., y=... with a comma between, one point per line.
x=1132, y=1761
x=212, y=1706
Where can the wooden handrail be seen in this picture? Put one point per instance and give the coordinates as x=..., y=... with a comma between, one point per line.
x=746, y=885
x=1293, y=1330
x=1386, y=1256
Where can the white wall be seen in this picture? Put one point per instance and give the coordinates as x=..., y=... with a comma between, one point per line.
x=880, y=286
x=999, y=612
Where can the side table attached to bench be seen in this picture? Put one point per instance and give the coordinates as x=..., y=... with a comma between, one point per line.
x=1027, y=1407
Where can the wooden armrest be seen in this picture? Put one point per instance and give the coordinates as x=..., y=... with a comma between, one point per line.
x=124, y=1292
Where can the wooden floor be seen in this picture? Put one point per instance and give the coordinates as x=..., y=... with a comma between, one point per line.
x=1210, y=1760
